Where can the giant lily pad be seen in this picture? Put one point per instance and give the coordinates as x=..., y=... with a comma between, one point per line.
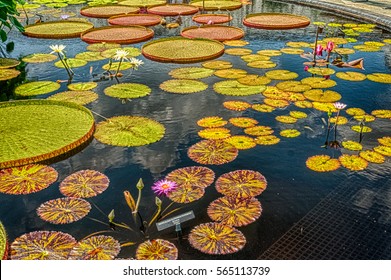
x=36, y=88
x=215, y=152
x=26, y=179
x=319, y=95
x=182, y=50
x=234, y=88
x=40, y=138
x=213, y=121
x=135, y=19
x=8, y=74
x=353, y=162
x=275, y=21
x=84, y=184
x=142, y=3
x=98, y=247
x=64, y=210
x=217, y=5
x=214, y=32
x=322, y=163
x=235, y=211
x=372, y=156
x=106, y=11
x=241, y=142
x=79, y=97
x=173, y=10
x=57, y=29
x=117, y=34
x=156, y=249
x=241, y=183
x=198, y=176
x=129, y=131
x=42, y=245
x=127, y=90
x=3, y=243
x=183, y=86
x=215, y=133
x=217, y=19
x=191, y=73
x=216, y=239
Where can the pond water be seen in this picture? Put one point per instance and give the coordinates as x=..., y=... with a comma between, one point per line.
x=292, y=190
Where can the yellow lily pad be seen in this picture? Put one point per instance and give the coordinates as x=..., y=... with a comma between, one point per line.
x=269, y=52
x=321, y=71
x=383, y=150
x=264, y=108
x=351, y=76
x=318, y=82
x=359, y=129
x=286, y=119
x=217, y=64
x=293, y=86
x=266, y=140
x=262, y=64
x=319, y=95
x=292, y=51
x=352, y=145
x=281, y=75
x=380, y=78
x=353, y=162
x=238, y=51
x=254, y=80
x=290, y=133
x=372, y=156
x=230, y=73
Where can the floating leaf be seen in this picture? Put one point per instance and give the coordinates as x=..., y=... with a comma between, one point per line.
x=290, y=133
x=191, y=73
x=217, y=64
x=26, y=179
x=241, y=183
x=324, y=106
x=8, y=63
x=293, y=86
x=4, y=250
x=183, y=86
x=303, y=104
x=262, y=64
x=212, y=122
x=64, y=210
x=235, y=43
x=36, y=88
x=388, y=41
x=294, y=96
x=263, y=108
x=318, y=82
x=353, y=162
x=156, y=249
x=213, y=32
x=259, y=130
x=291, y=51
x=118, y=34
x=100, y=47
x=380, y=78
x=355, y=111
x=336, y=40
x=352, y=145
x=186, y=193
x=298, y=114
x=269, y=52
x=372, y=156
x=212, y=152
x=127, y=90
x=243, y=122
x=107, y=11
x=142, y=3
x=132, y=52
x=273, y=92
x=57, y=29
x=241, y=142
x=198, y=176
x=275, y=21
x=215, y=133
x=266, y=140
x=230, y=73
x=238, y=51
x=321, y=71
x=216, y=239
x=236, y=105
x=255, y=57
x=129, y=131
x=365, y=118
x=39, y=58
x=125, y=65
x=97, y=247
x=278, y=103
x=367, y=48
x=319, y=95
x=299, y=44
x=344, y=51
x=235, y=211
x=8, y=74
x=322, y=163
x=351, y=76
x=286, y=119
x=82, y=86
x=383, y=150
x=385, y=141
x=72, y=62
x=84, y=184
x=234, y=88
x=90, y=56
x=254, y=80
x=42, y=245
x=78, y=97
x=281, y=75
x=341, y=120
x=363, y=129
x=383, y=114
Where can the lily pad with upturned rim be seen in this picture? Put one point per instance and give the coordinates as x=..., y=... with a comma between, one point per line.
x=216, y=239
x=39, y=58
x=212, y=122
x=8, y=74
x=142, y=3
x=127, y=90
x=26, y=179
x=214, y=152
x=84, y=184
x=217, y=5
x=156, y=249
x=106, y=11
x=98, y=247
x=135, y=19
x=36, y=88
x=42, y=245
x=129, y=131
x=173, y=9
x=117, y=34
x=216, y=19
x=183, y=86
x=57, y=29
x=275, y=21
x=322, y=163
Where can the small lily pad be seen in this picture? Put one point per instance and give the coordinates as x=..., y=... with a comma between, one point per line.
x=255, y=57
x=238, y=51
x=363, y=129
x=243, y=122
x=6, y=63
x=266, y=140
x=230, y=73
x=36, y=88
x=351, y=76
x=291, y=51
x=217, y=64
x=383, y=114
x=254, y=80
x=353, y=162
x=319, y=95
x=8, y=74
x=262, y=64
x=183, y=86
x=72, y=62
x=191, y=73
x=100, y=47
x=372, y=156
x=322, y=163
x=383, y=150
x=278, y=103
x=90, y=56
x=259, y=130
x=82, y=86
x=321, y=71
x=352, y=145
x=319, y=82
x=293, y=86
x=281, y=75
x=286, y=119
x=263, y=108
x=269, y=52
x=380, y=78
x=211, y=122
x=78, y=97
x=236, y=105
x=241, y=142
x=127, y=90
x=215, y=133
x=234, y=88
x=290, y=133
x=355, y=111
x=39, y=58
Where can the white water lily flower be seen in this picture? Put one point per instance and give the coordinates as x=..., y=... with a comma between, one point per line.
x=121, y=54
x=339, y=105
x=136, y=62
x=57, y=49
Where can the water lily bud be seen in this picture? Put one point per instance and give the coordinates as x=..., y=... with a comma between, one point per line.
x=111, y=216
x=140, y=184
x=158, y=202
x=130, y=200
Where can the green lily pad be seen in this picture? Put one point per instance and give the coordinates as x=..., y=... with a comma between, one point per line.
x=57, y=29
x=292, y=51
x=319, y=95
x=230, y=73
x=343, y=51
x=127, y=90
x=321, y=71
x=234, y=88
x=36, y=88
x=72, y=62
x=191, y=73
x=82, y=86
x=269, y=52
x=8, y=63
x=255, y=57
x=8, y=74
x=78, y=97
x=293, y=86
x=183, y=86
x=90, y=56
x=125, y=65
x=129, y=131
x=254, y=80
x=318, y=82
x=367, y=48
x=100, y=47
x=281, y=75
x=238, y=51
x=39, y=58
x=299, y=44
x=132, y=52
x=217, y=64
x=262, y=64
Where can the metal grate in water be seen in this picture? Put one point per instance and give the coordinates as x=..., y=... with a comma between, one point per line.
x=352, y=222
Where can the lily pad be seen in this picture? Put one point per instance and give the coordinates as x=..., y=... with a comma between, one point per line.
x=262, y=64
x=263, y=108
x=82, y=86
x=351, y=76
x=215, y=133
x=254, y=80
x=355, y=111
x=324, y=106
x=266, y=140
x=132, y=52
x=117, y=34
x=99, y=247
x=100, y=47
x=36, y=88
x=380, y=78
x=26, y=179
x=125, y=65
x=383, y=150
x=290, y=133
x=84, y=184
x=186, y=193
x=383, y=114
x=344, y=51
x=238, y=51
x=321, y=71
x=213, y=32
x=319, y=82
x=353, y=162
x=72, y=62
x=319, y=95
x=8, y=74
x=367, y=48
x=232, y=43
x=341, y=120
x=385, y=141
x=217, y=64
x=365, y=118
x=127, y=90
x=216, y=238
x=372, y=156
x=129, y=131
x=39, y=58
x=234, y=88
x=4, y=248
x=291, y=51
x=276, y=21
x=363, y=129
x=299, y=44
x=191, y=73
x=286, y=119
x=298, y=114
x=273, y=92
x=57, y=29
x=303, y=104
x=198, y=176
x=293, y=86
x=270, y=52
x=78, y=97
x=243, y=122
x=255, y=57
x=352, y=145
x=214, y=152
x=156, y=249
x=211, y=122
x=241, y=142
x=322, y=163
x=259, y=130
x=106, y=11
x=142, y=3
x=183, y=86
x=6, y=63
x=281, y=75
x=90, y=56
x=230, y=73
x=278, y=103
x=236, y=105
x=217, y=5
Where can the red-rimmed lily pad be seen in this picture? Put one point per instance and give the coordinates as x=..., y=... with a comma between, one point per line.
x=106, y=11
x=98, y=247
x=214, y=152
x=173, y=10
x=198, y=176
x=64, y=210
x=241, y=183
x=243, y=122
x=353, y=162
x=217, y=5
x=42, y=245
x=26, y=179
x=322, y=163
x=235, y=211
x=157, y=249
x=216, y=239
x=275, y=21
x=241, y=142
x=211, y=122
x=57, y=29
x=215, y=19
x=372, y=156
x=214, y=32
x=84, y=184
x=117, y=34
x=266, y=140
x=215, y=133
x=135, y=19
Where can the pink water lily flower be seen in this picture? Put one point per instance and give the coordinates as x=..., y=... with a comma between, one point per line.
x=319, y=50
x=164, y=187
x=306, y=68
x=330, y=46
